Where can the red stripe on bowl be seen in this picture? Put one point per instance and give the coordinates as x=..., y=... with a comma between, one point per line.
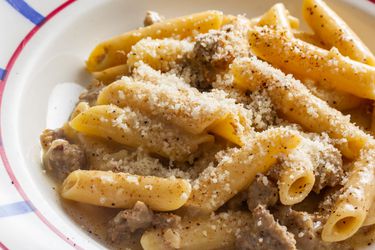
x=8, y=168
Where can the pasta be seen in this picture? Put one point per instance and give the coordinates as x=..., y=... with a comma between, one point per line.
x=351, y=208
x=120, y=190
x=237, y=171
x=333, y=31
x=310, y=38
x=133, y=129
x=296, y=177
x=179, y=103
x=111, y=74
x=216, y=131
x=175, y=101
x=337, y=99
x=308, y=61
x=203, y=233
x=294, y=100
x=370, y=219
x=158, y=53
x=114, y=51
x=276, y=16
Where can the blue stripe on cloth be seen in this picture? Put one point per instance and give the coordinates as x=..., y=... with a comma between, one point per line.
x=27, y=11
x=16, y=208
x=2, y=73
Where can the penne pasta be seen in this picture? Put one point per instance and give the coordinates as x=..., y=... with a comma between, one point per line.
x=337, y=99
x=210, y=232
x=296, y=178
x=277, y=17
x=310, y=38
x=133, y=129
x=122, y=190
x=237, y=170
x=296, y=102
x=351, y=207
x=180, y=104
x=370, y=218
x=114, y=52
x=111, y=74
x=81, y=107
x=334, y=32
x=231, y=19
x=160, y=54
x=308, y=61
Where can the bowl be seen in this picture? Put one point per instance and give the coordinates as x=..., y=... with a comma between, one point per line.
x=42, y=70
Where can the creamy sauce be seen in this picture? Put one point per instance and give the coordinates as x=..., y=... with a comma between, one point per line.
x=364, y=238
x=94, y=220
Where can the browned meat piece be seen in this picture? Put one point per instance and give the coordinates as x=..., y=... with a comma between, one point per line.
x=212, y=54
x=92, y=93
x=164, y=220
x=329, y=199
x=210, y=49
x=262, y=191
x=152, y=17
x=137, y=219
x=267, y=234
x=48, y=136
x=306, y=229
x=329, y=168
x=62, y=158
x=238, y=202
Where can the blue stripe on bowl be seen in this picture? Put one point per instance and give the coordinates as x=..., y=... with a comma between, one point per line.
x=2, y=73
x=16, y=208
x=27, y=11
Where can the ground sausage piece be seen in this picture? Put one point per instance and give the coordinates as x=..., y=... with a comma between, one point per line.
x=306, y=229
x=152, y=17
x=62, y=158
x=329, y=168
x=48, y=136
x=137, y=219
x=92, y=93
x=267, y=234
x=212, y=54
x=262, y=191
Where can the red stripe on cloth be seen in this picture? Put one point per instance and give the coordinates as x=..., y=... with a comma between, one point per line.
x=8, y=168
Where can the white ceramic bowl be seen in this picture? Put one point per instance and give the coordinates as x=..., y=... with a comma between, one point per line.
x=44, y=78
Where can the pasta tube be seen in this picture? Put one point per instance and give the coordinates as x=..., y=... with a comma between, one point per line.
x=133, y=129
x=335, y=98
x=236, y=171
x=231, y=19
x=370, y=219
x=351, y=207
x=122, y=190
x=333, y=31
x=277, y=16
x=111, y=74
x=180, y=104
x=296, y=178
x=172, y=99
x=310, y=38
x=296, y=102
x=81, y=107
x=211, y=232
x=160, y=54
x=114, y=51
x=308, y=61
